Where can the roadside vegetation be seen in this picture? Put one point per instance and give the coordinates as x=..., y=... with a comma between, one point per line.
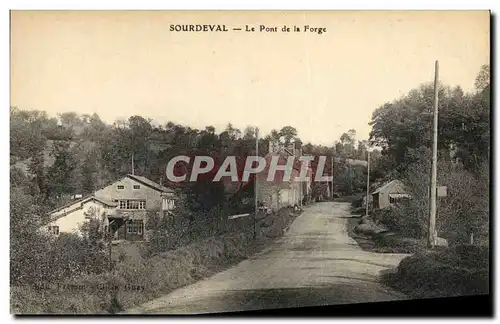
x=459, y=264
x=69, y=282
x=455, y=271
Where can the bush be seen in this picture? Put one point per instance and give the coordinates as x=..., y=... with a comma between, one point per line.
x=383, y=240
x=461, y=270
x=357, y=203
x=45, y=259
x=387, y=242
x=359, y=211
x=369, y=228
x=402, y=219
x=465, y=209
x=469, y=256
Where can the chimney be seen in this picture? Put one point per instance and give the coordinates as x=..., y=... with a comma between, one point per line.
x=272, y=146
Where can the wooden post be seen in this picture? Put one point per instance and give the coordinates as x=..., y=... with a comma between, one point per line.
x=433, y=188
x=255, y=186
x=368, y=183
x=331, y=162
x=110, y=240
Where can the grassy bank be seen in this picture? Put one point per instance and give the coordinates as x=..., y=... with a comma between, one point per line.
x=441, y=272
x=374, y=237
x=136, y=279
x=456, y=271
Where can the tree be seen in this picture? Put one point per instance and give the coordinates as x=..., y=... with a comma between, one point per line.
x=210, y=130
x=127, y=139
x=483, y=78
x=273, y=136
x=27, y=247
x=288, y=133
x=23, y=212
x=348, y=144
x=89, y=173
x=59, y=175
x=70, y=120
x=94, y=231
x=308, y=148
x=298, y=143
x=139, y=132
x=361, y=153
x=208, y=141
x=27, y=132
x=232, y=132
x=37, y=169
x=94, y=128
x=249, y=133
x=405, y=125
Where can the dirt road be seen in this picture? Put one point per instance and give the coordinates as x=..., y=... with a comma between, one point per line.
x=315, y=263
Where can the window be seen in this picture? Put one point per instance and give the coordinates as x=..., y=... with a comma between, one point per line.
x=54, y=230
x=132, y=204
x=168, y=204
x=121, y=187
x=137, y=187
x=135, y=227
x=398, y=198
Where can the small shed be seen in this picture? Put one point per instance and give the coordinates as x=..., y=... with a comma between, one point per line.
x=389, y=194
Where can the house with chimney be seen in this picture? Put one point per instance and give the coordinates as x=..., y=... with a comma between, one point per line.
x=278, y=193
x=123, y=207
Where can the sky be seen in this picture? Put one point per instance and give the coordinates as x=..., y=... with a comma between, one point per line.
x=119, y=64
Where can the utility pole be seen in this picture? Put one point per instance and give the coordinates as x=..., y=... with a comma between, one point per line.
x=133, y=163
x=255, y=186
x=368, y=182
x=332, y=172
x=110, y=243
x=433, y=187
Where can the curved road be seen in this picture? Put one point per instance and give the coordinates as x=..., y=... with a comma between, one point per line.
x=315, y=263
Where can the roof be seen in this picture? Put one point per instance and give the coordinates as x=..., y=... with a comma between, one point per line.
x=399, y=195
x=70, y=204
x=140, y=179
x=150, y=183
x=81, y=202
x=352, y=161
x=104, y=202
x=387, y=185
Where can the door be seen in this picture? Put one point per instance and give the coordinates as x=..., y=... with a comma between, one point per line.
x=134, y=230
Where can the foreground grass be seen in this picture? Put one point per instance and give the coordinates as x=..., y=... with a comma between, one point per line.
x=456, y=271
x=442, y=272
x=375, y=238
x=137, y=280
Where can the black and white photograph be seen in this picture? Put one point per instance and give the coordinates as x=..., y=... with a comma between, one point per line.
x=242, y=162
